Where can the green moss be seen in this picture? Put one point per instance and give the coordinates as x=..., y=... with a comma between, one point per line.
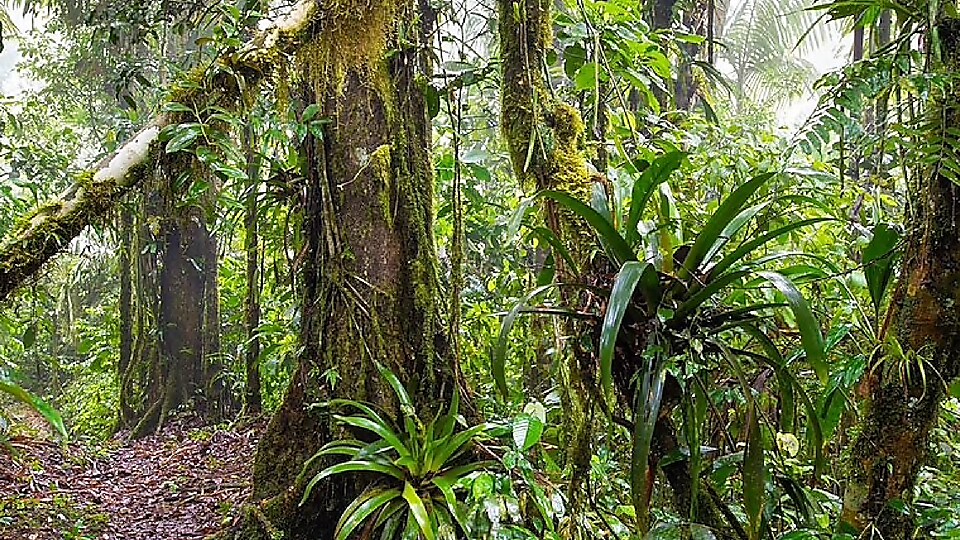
x=381, y=163
x=352, y=38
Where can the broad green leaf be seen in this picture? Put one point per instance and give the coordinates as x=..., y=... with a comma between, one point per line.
x=362, y=508
x=706, y=293
x=725, y=214
x=878, y=260
x=733, y=228
x=810, y=336
x=405, y=402
x=619, y=251
x=453, y=506
x=741, y=253
x=384, y=431
x=29, y=337
x=527, y=431
x=182, y=137
x=513, y=226
x=617, y=304
x=646, y=412
x=586, y=78
x=776, y=361
x=419, y=511
x=754, y=485
x=364, y=465
x=456, y=445
x=40, y=406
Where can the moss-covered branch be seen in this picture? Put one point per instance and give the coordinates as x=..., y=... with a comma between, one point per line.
x=50, y=228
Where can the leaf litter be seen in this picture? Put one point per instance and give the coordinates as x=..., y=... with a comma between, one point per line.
x=186, y=482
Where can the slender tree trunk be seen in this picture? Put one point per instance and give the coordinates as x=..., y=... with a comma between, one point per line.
x=545, y=138
x=924, y=319
x=126, y=262
x=371, y=290
x=253, y=403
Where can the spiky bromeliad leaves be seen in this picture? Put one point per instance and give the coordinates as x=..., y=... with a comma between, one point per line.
x=418, y=467
x=654, y=309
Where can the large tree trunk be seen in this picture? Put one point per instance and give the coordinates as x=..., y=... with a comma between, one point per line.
x=924, y=318
x=370, y=277
x=177, y=293
x=94, y=193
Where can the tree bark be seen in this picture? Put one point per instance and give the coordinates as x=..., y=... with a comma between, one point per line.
x=371, y=289
x=545, y=138
x=923, y=317
x=186, y=329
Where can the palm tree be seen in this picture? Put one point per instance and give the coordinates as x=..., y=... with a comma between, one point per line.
x=7, y=28
x=765, y=43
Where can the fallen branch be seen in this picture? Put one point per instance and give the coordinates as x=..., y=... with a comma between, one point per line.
x=49, y=229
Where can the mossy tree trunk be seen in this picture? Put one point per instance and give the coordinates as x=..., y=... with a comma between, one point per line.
x=545, y=138
x=371, y=289
x=177, y=330
x=925, y=320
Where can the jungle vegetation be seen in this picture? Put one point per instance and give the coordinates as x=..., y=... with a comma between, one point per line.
x=544, y=269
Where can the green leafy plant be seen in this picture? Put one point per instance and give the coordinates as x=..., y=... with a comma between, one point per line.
x=665, y=307
x=418, y=467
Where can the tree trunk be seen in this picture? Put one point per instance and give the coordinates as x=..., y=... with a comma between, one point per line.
x=253, y=403
x=371, y=290
x=184, y=254
x=126, y=261
x=923, y=317
x=545, y=138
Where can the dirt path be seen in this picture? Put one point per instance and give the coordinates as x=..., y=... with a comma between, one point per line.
x=185, y=483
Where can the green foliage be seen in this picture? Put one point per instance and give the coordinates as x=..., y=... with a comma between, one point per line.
x=419, y=467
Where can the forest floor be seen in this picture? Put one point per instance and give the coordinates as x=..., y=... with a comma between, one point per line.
x=183, y=483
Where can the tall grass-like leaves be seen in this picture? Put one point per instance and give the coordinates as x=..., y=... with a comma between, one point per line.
x=729, y=209
x=643, y=188
x=646, y=411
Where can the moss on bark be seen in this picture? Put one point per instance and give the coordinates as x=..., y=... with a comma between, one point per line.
x=371, y=285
